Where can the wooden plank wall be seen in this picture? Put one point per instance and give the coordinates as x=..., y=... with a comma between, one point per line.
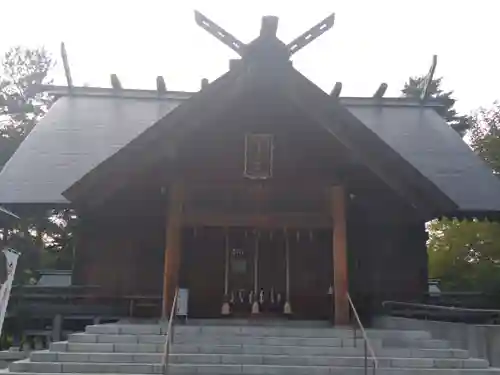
x=123, y=256
x=387, y=261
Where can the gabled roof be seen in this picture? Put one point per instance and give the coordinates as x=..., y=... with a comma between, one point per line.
x=83, y=130
x=94, y=135
x=76, y=135
x=387, y=150
x=422, y=138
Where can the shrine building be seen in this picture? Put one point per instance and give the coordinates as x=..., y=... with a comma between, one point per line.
x=261, y=195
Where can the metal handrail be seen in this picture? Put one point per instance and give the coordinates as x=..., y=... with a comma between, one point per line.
x=367, y=346
x=437, y=307
x=170, y=335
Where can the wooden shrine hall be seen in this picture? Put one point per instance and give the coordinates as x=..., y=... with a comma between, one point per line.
x=261, y=194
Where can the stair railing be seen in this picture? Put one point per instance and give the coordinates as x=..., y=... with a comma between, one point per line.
x=170, y=335
x=368, y=349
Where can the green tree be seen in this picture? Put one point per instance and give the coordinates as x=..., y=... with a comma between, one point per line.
x=22, y=104
x=485, y=135
x=413, y=89
x=44, y=237
x=465, y=255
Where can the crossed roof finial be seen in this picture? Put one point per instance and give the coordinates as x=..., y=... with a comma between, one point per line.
x=268, y=30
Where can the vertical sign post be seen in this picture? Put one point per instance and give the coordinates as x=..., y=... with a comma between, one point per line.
x=11, y=257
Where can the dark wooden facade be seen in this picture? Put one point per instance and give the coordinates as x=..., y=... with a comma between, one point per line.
x=123, y=239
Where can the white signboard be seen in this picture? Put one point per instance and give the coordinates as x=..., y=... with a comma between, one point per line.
x=10, y=263
x=182, y=302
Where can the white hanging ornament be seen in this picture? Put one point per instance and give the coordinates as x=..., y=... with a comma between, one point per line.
x=255, y=307
x=226, y=309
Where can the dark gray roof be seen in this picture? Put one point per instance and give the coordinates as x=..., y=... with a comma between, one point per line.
x=421, y=137
x=77, y=134
x=81, y=131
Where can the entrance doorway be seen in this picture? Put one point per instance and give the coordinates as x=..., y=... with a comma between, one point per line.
x=256, y=271
x=250, y=270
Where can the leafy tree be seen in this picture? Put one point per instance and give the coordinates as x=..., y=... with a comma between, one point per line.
x=485, y=135
x=413, y=89
x=44, y=238
x=465, y=255
x=22, y=104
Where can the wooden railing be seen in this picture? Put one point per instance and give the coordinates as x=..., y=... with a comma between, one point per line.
x=169, y=335
x=368, y=349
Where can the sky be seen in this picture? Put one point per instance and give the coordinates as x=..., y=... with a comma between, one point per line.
x=371, y=42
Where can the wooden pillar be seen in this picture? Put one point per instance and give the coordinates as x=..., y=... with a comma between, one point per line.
x=172, y=247
x=340, y=279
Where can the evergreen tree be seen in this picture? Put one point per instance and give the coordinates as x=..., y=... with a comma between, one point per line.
x=413, y=89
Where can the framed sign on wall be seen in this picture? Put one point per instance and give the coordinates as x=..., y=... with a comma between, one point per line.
x=258, y=156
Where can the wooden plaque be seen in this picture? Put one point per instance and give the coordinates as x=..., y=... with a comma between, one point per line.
x=258, y=156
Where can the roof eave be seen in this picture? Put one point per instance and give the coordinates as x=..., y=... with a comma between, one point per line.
x=60, y=91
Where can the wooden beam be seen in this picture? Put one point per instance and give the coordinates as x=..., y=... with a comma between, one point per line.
x=336, y=90
x=218, y=32
x=340, y=279
x=380, y=91
x=172, y=247
x=67, y=71
x=269, y=26
x=313, y=33
x=161, y=87
x=428, y=79
x=290, y=220
x=115, y=82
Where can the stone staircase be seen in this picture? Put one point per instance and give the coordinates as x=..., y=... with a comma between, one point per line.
x=221, y=348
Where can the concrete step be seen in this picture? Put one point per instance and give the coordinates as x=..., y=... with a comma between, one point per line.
x=85, y=367
x=283, y=360
x=258, y=331
x=411, y=343
x=261, y=322
x=208, y=339
x=255, y=349
x=48, y=356
x=116, y=339
x=266, y=322
x=316, y=370
x=200, y=369
x=75, y=347
x=317, y=351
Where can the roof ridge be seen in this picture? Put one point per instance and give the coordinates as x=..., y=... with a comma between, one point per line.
x=152, y=94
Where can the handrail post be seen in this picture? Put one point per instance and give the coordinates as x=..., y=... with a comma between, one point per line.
x=366, y=344
x=170, y=334
x=355, y=336
x=366, y=358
